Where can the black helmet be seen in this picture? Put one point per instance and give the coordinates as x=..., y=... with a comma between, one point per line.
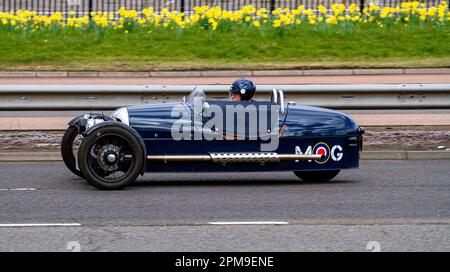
x=243, y=87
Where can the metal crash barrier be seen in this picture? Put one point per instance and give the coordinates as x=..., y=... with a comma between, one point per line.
x=103, y=97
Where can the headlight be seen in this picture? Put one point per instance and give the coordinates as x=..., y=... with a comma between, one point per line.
x=121, y=115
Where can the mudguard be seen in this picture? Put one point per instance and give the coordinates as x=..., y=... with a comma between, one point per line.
x=75, y=120
x=81, y=121
x=130, y=129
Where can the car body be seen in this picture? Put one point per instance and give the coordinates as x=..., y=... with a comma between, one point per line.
x=315, y=143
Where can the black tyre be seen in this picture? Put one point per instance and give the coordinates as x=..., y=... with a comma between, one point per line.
x=317, y=176
x=111, y=158
x=70, y=143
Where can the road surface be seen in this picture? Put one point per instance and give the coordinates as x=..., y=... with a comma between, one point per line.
x=398, y=205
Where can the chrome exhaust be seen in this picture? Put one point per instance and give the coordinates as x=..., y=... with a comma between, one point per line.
x=179, y=158
x=246, y=157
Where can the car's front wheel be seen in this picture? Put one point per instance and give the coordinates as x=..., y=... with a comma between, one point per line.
x=110, y=158
x=317, y=176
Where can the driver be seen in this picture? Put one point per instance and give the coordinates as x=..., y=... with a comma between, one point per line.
x=242, y=90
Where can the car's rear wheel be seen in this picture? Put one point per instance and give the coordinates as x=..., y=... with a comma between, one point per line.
x=111, y=158
x=70, y=144
x=317, y=176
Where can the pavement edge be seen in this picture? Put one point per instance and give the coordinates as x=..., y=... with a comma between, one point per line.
x=226, y=73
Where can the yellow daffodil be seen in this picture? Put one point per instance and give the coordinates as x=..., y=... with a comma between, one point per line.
x=211, y=17
x=322, y=9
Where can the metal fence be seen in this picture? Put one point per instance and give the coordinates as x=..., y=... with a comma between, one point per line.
x=84, y=7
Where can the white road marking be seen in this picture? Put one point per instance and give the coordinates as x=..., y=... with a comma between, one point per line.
x=42, y=225
x=251, y=223
x=19, y=189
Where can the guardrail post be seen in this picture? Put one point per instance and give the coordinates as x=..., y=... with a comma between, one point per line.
x=90, y=8
x=361, y=5
x=272, y=5
x=182, y=6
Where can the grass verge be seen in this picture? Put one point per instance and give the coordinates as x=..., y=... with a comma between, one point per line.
x=398, y=46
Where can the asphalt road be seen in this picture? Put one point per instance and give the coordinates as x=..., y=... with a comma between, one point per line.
x=398, y=205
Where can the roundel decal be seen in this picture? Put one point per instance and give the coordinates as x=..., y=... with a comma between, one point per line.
x=322, y=149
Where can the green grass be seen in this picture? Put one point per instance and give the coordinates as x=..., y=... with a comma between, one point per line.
x=398, y=46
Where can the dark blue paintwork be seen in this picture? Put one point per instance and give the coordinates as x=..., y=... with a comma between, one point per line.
x=305, y=127
x=318, y=122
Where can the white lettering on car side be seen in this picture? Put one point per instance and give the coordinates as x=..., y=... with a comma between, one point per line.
x=298, y=151
x=336, y=152
x=336, y=156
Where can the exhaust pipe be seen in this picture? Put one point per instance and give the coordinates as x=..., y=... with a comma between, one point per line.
x=247, y=157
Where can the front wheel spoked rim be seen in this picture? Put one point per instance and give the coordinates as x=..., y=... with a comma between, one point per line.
x=111, y=158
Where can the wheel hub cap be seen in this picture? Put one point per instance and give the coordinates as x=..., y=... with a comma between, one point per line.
x=111, y=158
x=108, y=157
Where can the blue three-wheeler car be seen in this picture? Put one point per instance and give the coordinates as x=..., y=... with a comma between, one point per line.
x=203, y=135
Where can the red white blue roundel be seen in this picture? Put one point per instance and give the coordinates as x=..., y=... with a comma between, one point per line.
x=322, y=149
